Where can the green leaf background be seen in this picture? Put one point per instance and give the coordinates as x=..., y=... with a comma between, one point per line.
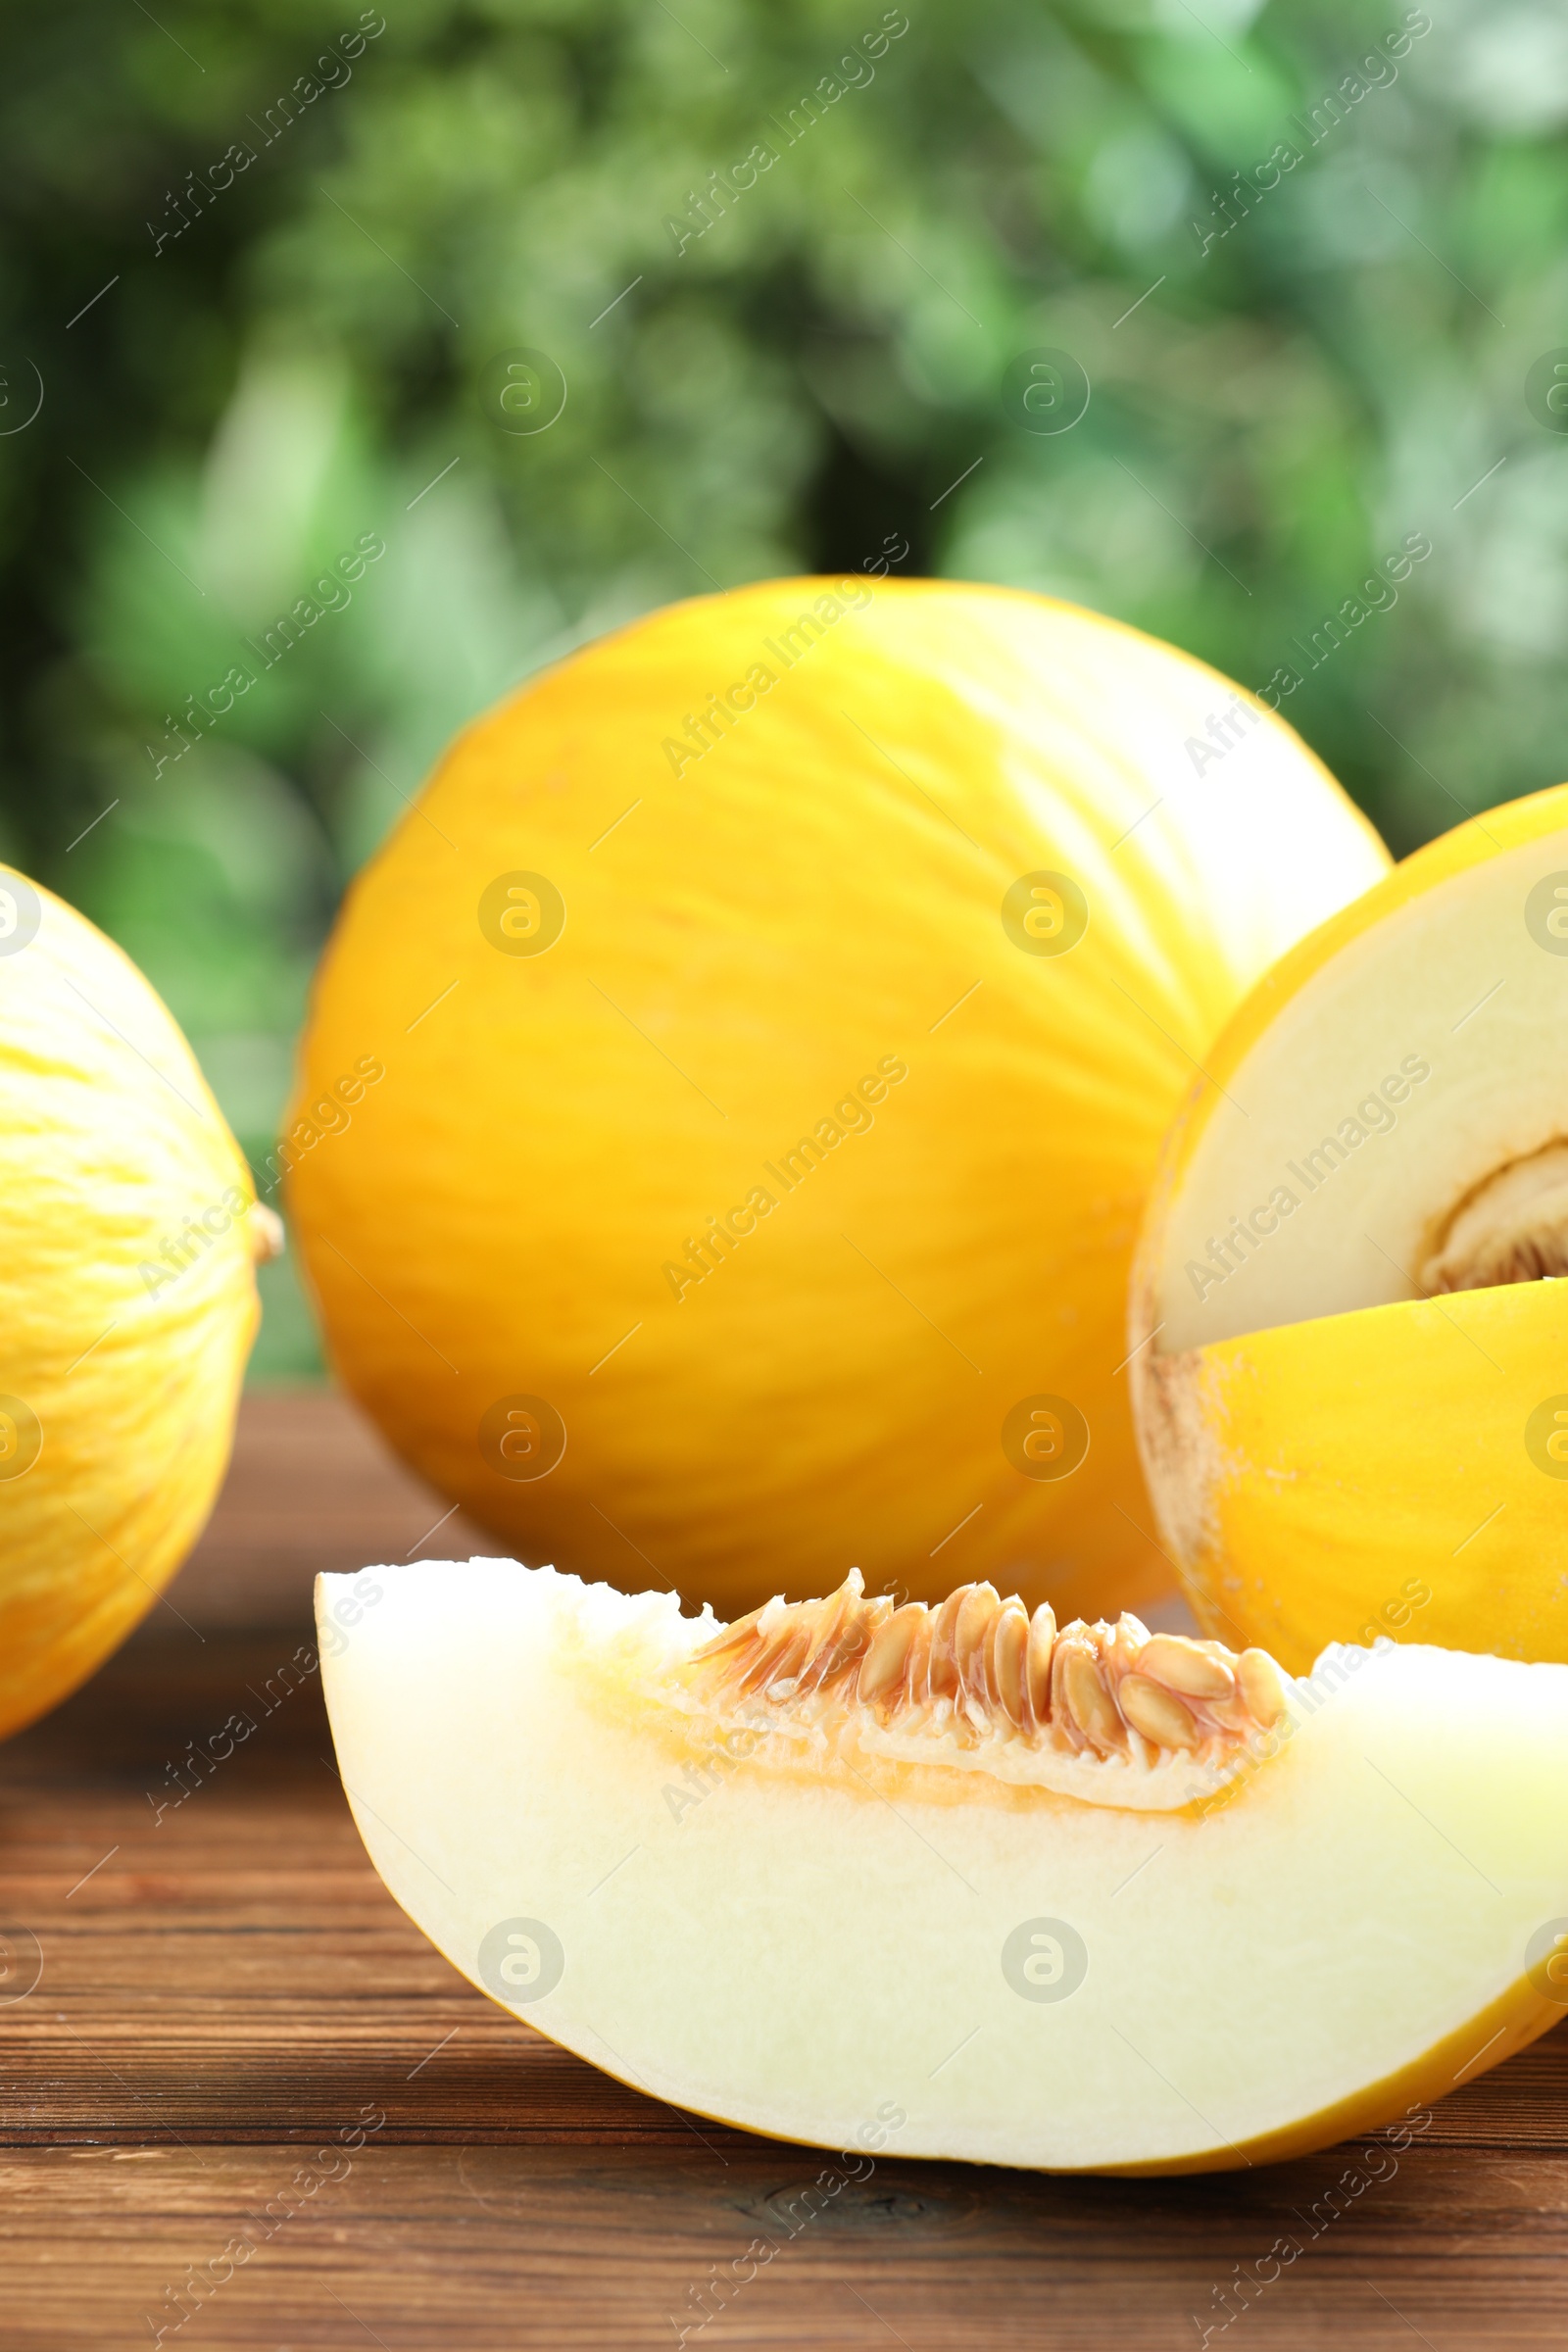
x=1286, y=380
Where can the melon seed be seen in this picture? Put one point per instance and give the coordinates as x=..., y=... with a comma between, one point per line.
x=944, y=1672
x=1181, y=1665
x=1156, y=1712
x=970, y=1627
x=732, y=1637
x=1259, y=1678
x=1088, y=1703
x=1042, y=1641
x=884, y=1662
x=1009, y=1647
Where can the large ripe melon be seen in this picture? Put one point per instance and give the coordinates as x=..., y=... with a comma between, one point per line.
x=127, y=1244
x=776, y=1010
x=952, y=1883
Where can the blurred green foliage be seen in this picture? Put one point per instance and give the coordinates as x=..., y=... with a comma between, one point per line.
x=259, y=259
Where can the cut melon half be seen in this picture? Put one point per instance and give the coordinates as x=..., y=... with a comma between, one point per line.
x=1349, y=1324
x=949, y=1882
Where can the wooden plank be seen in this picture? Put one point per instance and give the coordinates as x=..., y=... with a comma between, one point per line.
x=504, y=2248
x=226, y=1991
x=312, y=1489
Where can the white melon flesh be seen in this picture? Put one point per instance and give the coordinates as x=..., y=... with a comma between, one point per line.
x=763, y=1915
x=1413, y=1070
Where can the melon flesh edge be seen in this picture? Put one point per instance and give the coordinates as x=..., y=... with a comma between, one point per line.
x=821, y=1956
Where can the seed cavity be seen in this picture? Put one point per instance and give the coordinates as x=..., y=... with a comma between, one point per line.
x=979, y=1668
x=1513, y=1226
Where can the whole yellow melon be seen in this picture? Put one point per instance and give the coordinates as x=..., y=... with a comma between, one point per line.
x=129, y=1236
x=730, y=1095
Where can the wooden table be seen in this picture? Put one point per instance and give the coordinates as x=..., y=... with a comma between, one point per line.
x=228, y=2000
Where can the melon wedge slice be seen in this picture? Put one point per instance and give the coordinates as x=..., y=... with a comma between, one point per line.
x=1349, y=1327
x=951, y=1883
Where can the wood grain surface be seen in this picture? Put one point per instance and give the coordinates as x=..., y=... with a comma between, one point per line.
x=240, y=2063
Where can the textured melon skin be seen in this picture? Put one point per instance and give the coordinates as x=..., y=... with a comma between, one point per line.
x=817, y=902
x=1341, y=1939
x=125, y=1362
